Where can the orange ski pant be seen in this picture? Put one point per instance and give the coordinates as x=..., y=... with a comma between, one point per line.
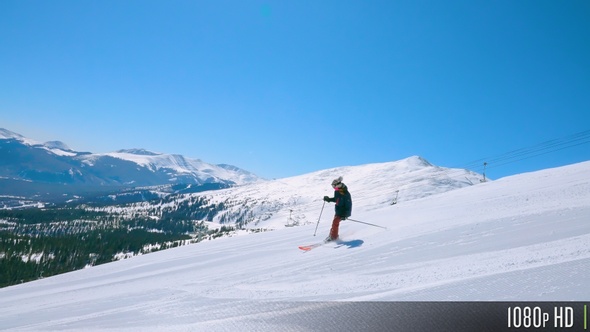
x=335, y=225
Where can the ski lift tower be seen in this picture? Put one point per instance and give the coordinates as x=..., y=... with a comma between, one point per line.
x=484, y=172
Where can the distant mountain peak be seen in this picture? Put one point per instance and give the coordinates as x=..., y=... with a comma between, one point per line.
x=7, y=134
x=417, y=161
x=140, y=152
x=57, y=145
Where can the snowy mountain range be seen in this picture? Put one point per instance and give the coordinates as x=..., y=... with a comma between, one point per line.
x=519, y=238
x=28, y=167
x=257, y=205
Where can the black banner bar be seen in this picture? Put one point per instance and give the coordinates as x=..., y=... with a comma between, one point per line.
x=428, y=316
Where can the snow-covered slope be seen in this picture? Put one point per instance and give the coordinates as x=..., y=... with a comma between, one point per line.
x=522, y=238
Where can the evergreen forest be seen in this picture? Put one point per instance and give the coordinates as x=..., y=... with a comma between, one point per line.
x=41, y=242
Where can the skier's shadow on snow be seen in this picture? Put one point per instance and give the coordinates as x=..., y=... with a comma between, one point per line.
x=350, y=244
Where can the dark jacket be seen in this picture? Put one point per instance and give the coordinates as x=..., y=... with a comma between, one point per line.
x=343, y=202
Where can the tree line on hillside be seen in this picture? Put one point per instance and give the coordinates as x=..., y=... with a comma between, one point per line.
x=26, y=258
x=37, y=243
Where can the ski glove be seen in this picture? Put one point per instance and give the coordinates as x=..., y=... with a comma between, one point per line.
x=326, y=198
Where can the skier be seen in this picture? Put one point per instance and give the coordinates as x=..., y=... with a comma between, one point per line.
x=343, y=207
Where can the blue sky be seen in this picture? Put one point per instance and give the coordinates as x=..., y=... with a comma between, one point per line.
x=282, y=88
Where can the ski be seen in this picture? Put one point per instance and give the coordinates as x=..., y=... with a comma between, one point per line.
x=311, y=246
x=315, y=245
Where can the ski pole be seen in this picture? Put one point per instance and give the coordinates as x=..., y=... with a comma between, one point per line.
x=316, y=226
x=366, y=223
